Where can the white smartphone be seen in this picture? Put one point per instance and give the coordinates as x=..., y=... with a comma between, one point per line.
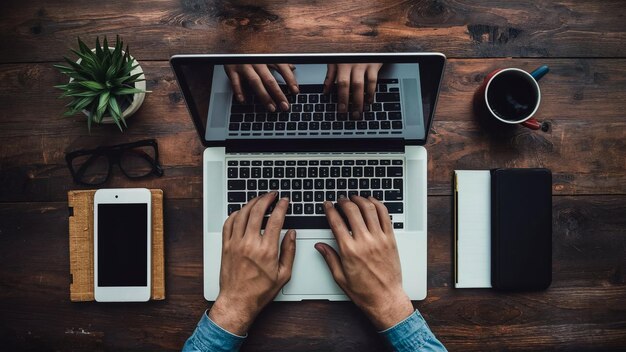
x=122, y=245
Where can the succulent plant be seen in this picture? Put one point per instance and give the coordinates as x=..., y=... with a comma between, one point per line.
x=102, y=83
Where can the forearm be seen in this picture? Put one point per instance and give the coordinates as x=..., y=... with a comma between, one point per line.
x=208, y=336
x=412, y=334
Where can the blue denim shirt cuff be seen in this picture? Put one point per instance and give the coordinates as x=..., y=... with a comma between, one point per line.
x=412, y=334
x=209, y=336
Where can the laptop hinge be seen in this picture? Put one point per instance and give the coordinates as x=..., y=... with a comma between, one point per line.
x=315, y=145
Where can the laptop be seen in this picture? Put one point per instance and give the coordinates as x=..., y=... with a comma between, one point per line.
x=312, y=153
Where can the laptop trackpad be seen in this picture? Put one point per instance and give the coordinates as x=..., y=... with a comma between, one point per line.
x=311, y=275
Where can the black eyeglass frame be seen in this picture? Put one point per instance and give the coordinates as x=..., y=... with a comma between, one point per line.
x=113, y=154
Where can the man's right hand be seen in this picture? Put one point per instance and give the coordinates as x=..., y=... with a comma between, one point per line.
x=367, y=267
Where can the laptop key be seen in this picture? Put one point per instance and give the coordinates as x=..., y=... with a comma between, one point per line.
x=394, y=171
x=394, y=207
x=319, y=208
x=274, y=184
x=233, y=126
x=297, y=209
x=391, y=106
x=387, y=97
x=233, y=208
x=236, y=197
x=378, y=195
x=232, y=172
x=308, y=209
x=236, y=185
x=251, y=185
x=393, y=195
x=238, y=109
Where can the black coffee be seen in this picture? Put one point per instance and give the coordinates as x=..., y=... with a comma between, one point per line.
x=512, y=95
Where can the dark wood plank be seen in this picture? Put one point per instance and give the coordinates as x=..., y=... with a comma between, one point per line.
x=583, y=310
x=583, y=103
x=155, y=29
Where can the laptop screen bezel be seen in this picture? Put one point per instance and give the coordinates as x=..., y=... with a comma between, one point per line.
x=433, y=61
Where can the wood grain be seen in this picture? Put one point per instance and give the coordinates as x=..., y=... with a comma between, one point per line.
x=584, y=103
x=157, y=29
x=583, y=306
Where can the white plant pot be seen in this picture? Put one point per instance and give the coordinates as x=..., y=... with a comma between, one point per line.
x=138, y=98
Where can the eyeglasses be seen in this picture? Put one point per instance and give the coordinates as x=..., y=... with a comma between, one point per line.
x=136, y=160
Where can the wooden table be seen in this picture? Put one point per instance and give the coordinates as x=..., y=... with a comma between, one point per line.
x=584, y=102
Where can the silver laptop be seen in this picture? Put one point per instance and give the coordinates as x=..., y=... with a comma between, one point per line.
x=312, y=153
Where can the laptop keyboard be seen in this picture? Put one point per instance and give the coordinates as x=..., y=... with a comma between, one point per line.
x=314, y=113
x=308, y=183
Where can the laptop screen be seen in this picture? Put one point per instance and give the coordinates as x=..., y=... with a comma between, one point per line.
x=351, y=98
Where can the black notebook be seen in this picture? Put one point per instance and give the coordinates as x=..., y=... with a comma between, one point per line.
x=521, y=229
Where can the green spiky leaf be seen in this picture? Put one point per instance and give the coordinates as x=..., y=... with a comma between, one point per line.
x=102, y=81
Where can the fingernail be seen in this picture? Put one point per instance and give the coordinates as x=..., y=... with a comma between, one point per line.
x=285, y=198
x=292, y=234
x=240, y=98
x=284, y=105
x=271, y=107
x=295, y=89
x=273, y=193
x=321, y=249
x=342, y=197
x=327, y=205
x=342, y=107
x=356, y=115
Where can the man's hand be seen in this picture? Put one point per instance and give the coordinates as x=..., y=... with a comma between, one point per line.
x=367, y=267
x=355, y=78
x=252, y=270
x=260, y=79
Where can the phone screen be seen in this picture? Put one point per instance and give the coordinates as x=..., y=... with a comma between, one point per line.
x=122, y=245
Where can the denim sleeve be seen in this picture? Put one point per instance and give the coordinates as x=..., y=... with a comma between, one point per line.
x=209, y=336
x=412, y=334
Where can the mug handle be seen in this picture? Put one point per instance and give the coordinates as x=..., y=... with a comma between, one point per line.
x=532, y=123
x=540, y=72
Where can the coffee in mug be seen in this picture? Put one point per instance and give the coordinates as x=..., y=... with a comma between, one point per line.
x=512, y=96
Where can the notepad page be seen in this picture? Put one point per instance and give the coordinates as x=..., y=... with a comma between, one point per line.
x=473, y=228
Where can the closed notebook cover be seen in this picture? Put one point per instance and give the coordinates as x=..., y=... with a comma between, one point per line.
x=521, y=229
x=80, y=204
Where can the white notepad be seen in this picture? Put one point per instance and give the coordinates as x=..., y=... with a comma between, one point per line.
x=472, y=229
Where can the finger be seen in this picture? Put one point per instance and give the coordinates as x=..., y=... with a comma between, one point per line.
x=272, y=86
x=287, y=256
x=235, y=83
x=371, y=76
x=343, y=86
x=241, y=221
x=292, y=67
x=289, y=77
x=357, y=88
x=369, y=213
x=336, y=223
x=383, y=216
x=258, y=212
x=275, y=223
x=333, y=261
x=255, y=81
x=331, y=72
x=353, y=213
x=227, y=230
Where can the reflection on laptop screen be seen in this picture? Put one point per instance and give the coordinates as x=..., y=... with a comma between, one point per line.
x=295, y=98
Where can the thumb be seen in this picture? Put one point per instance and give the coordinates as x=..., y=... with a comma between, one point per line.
x=287, y=254
x=334, y=262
